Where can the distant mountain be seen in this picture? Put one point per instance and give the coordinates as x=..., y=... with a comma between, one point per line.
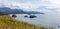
x=16, y=11
x=12, y=11
x=34, y=12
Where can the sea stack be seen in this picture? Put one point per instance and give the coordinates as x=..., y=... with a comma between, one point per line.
x=32, y=16
x=14, y=15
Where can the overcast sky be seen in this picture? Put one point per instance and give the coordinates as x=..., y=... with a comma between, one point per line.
x=32, y=5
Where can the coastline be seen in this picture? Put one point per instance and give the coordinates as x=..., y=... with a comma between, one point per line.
x=6, y=22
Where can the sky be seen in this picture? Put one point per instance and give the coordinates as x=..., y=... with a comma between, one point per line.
x=51, y=7
x=32, y=5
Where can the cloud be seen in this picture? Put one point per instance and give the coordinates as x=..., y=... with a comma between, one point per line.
x=31, y=5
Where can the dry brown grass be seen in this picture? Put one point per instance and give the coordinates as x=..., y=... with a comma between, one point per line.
x=6, y=22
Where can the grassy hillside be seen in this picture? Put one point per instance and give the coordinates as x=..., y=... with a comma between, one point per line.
x=6, y=22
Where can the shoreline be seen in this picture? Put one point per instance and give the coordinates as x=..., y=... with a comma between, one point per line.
x=7, y=22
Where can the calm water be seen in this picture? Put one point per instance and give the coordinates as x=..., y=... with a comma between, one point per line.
x=46, y=20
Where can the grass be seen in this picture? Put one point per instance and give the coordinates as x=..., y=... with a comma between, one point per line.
x=6, y=22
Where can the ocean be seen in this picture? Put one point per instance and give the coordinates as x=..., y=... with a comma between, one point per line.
x=45, y=20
